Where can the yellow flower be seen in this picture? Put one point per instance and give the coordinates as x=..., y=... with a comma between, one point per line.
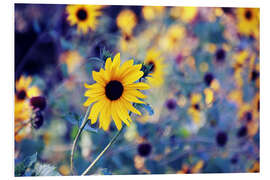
x=248, y=21
x=114, y=92
x=72, y=58
x=151, y=12
x=153, y=57
x=236, y=96
x=126, y=21
x=23, y=109
x=24, y=90
x=173, y=38
x=195, y=109
x=186, y=14
x=127, y=43
x=85, y=16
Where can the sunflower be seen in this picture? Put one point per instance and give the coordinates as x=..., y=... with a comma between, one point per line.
x=195, y=109
x=173, y=37
x=248, y=21
x=24, y=90
x=126, y=21
x=23, y=109
x=151, y=12
x=156, y=77
x=85, y=16
x=186, y=14
x=114, y=92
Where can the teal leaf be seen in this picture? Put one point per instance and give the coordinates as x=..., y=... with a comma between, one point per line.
x=28, y=162
x=148, y=108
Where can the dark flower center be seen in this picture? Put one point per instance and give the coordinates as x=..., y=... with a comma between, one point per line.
x=221, y=138
x=144, y=149
x=114, y=90
x=171, y=104
x=152, y=64
x=242, y=131
x=196, y=106
x=82, y=14
x=38, y=102
x=127, y=37
x=21, y=94
x=234, y=159
x=248, y=116
x=248, y=14
x=208, y=78
x=254, y=75
x=220, y=55
x=227, y=10
x=188, y=171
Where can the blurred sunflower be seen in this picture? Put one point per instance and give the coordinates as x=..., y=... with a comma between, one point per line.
x=127, y=43
x=153, y=58
x=22, y=113
x=126, y=21
x=23, y=108
x=24, y=90
x=195, y=169
x=151, y=12
x=72, y=59
x=186, y=14
x=85, y=16
x=248, y=21
x=171, y=41
x=114, y=91
x=250, y=116
x=195, y=109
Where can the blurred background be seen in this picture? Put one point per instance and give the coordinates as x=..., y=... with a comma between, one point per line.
x=204, y=98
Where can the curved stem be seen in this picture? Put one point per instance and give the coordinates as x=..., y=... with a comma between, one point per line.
x=104, y=150
x=85, y=120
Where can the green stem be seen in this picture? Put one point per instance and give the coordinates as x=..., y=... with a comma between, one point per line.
x=85, y=120
x=104, y=150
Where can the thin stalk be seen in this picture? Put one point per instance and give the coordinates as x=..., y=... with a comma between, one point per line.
x=85, y=120
x=102, y=153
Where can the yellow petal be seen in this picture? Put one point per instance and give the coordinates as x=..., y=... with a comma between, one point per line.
x=95, y=110
x=102, y=116
x=136, y=93
x=116, y=118
x=122, y=113
x=116, y=60
x=108, y=64
x=132, y=77
x=139, y=85
x=91, y=100
x=130, y=107
x=131, y=98
x=130, y=70
x=107, y=117
x=125, y=66
x=94, y=92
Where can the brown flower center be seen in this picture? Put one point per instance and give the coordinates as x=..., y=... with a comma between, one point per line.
x=82, y=14
x=114, y=90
